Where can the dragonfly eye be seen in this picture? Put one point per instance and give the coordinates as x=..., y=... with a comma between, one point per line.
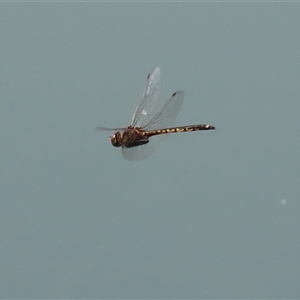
x=114, y=140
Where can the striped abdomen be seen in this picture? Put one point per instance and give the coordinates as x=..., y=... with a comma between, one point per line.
x=179, y=129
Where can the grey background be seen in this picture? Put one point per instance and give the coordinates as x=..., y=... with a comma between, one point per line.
x=209, y=214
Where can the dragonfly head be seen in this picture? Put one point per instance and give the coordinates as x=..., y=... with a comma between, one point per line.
x=115, y=139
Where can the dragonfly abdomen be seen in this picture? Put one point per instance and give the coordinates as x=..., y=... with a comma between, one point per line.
x=179, y=129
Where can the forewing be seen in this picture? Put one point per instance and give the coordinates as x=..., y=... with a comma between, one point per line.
x=139, y=152
x=166, y=117
x=109, y=129
x=150, y=99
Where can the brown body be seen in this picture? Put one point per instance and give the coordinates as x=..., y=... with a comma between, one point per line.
x=136, y=136
x=150, y=119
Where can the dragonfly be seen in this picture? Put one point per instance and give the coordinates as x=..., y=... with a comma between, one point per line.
x=150, y=121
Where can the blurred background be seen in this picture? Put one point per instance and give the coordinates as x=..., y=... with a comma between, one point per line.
x=212, y=214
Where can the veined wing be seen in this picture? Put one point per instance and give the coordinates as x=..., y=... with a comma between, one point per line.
x=150, y=99
x=140, y=152
x=166, y=117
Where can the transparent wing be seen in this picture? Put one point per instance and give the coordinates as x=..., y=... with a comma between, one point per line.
x=166, y=117
x=140, y=152
x=150, y=99
x=109, y=129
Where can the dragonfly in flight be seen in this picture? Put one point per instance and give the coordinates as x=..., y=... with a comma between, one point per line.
x=150, y=121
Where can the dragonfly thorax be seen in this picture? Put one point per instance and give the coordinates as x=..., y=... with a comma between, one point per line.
x=130, y=137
